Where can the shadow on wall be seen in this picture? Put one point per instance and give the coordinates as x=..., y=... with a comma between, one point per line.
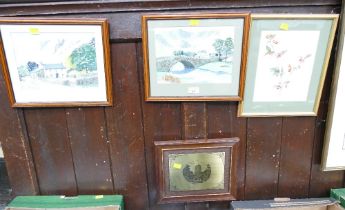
x=5, y=189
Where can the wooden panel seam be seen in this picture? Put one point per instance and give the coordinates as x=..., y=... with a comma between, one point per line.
x=312, y=157
x=109, y=150
x=142, y=118
x=70, y=150
x=280, y=155
x=27, y=150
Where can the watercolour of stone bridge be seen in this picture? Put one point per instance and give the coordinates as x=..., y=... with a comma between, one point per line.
x=164, y=64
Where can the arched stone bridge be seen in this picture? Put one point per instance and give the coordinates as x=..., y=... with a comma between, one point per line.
x=164, y=64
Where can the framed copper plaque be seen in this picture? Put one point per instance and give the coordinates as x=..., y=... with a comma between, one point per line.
x=196, y=170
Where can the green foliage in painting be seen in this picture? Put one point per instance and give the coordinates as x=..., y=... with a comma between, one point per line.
x=223, y=47
x=84, y=57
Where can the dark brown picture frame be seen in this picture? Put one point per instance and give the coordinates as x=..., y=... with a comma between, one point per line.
x=167, y=193
x=194, y=89
x=102, y=56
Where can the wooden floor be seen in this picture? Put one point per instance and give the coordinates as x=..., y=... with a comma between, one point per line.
x=5, y=190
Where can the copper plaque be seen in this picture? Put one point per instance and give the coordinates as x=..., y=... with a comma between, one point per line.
x=196, y=171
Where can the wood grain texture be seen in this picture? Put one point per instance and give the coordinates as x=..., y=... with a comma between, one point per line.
x=125, y=129
x=219, y=205
x=47, y=131
x=162, y=122
x=89, y=144
x=194, y=120
x=296, y=155
x=276, y=156
x=239, y=129
x=263, y=155
x=222, y=123
x=219, y=126
x=194, y=123
x=75, y=7
x=320, y=181
x=196, y=206
x=125, y=23
x=16, y=147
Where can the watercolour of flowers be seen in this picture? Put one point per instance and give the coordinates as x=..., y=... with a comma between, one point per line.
x=282, y=70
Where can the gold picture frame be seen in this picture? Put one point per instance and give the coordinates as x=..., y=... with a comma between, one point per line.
x=334, y=141
x=283, y=78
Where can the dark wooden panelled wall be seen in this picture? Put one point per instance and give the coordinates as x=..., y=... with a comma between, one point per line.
x=110, y=150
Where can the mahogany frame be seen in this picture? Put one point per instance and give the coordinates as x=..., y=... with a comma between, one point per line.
x=167, y=17
x=60, y=21
x=163, y=148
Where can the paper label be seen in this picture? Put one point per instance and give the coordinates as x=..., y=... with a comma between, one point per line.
x=34, y=31
x=194, y=90
x=194, y=22
x=98, y=196
x=284, y=26
x=177, y=165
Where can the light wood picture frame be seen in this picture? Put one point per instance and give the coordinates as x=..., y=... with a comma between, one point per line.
x=56, y=62
x=334, y=142
x=196, y=170
x=194, y=57
x=287, y=62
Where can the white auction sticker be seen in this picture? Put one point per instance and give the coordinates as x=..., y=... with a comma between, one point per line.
x=193, y=90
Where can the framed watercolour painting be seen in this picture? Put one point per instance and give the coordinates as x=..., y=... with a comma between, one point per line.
x=196, y=170
x=334, y=143
x=194, y=57
x=287, y=63
x=56, y=62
